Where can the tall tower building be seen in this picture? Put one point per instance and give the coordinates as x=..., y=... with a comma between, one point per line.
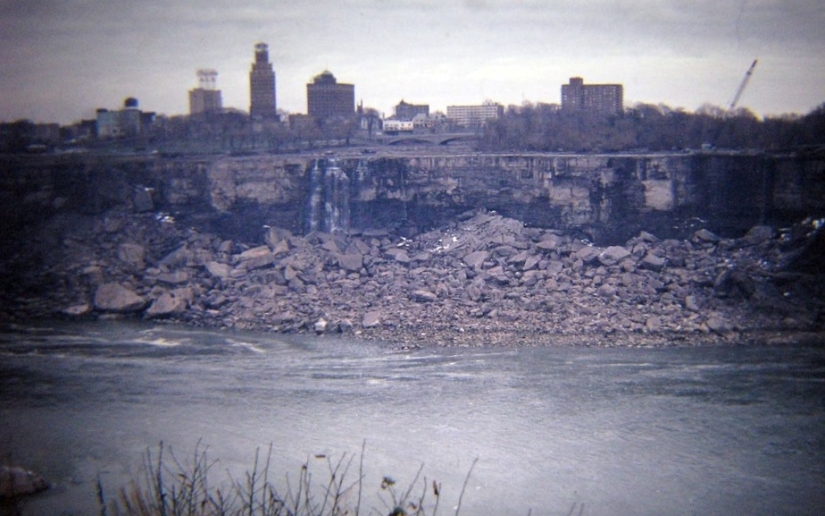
x=262, y=84
x=326, y=97
x=205, y=98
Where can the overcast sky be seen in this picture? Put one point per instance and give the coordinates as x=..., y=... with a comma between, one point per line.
x=61, y=59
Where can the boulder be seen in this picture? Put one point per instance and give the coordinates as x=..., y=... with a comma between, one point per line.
x=132, y=254
x=351, y=262
x=219, y=270
x=475, y=259
x=607, y=290
x=613, y=255
x=275, y=236
x=114, y=297
x=78, y=310
x=371, y=319
x=254, y=253
x=174, y=278
x=423, y=296
x=718, y=323
x=588, y=254
x=16, y=481
x=652, y=262
x=167, y=304
x=757, y=235
x=705, y=235
x=321, y=326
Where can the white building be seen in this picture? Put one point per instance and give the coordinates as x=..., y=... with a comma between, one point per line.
x=474, y=116
x=398, y=126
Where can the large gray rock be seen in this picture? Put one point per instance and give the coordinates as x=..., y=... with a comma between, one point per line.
x=588, y=254
x=423, y=296
x=174, y=278
x=351, y=262
x=613, y=255
x=275, y=236
x=475, y=259
x=167, y=304
x=371, y=319
x=114, y=297
x=652, y=262
x=607, y=290
x=256, y=258
x=219, y=270
x=718, y=323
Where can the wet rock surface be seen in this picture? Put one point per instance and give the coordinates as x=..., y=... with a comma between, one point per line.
x=481, y=279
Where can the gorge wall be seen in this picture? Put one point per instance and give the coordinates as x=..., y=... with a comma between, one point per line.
x=606, y=198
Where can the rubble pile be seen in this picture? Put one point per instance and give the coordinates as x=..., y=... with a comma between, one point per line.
x=481, y=279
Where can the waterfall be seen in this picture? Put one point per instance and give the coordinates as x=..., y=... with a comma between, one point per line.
x=336, y=199
x=328, y=205
x=316, y=193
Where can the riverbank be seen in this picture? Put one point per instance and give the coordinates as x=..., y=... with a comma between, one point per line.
x=481, y=279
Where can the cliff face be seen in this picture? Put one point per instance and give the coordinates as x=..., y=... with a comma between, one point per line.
x=607, y=198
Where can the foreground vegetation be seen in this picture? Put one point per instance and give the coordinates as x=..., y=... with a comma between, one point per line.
x=172, y=487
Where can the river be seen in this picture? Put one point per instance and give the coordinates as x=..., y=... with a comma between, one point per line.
x=687, y=430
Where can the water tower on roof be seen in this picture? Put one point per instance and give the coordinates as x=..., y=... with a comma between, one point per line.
x=207, y=78
x=206, y=98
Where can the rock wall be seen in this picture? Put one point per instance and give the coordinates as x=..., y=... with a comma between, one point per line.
x=607, y=198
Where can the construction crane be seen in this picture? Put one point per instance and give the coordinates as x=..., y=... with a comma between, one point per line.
x=742, y=87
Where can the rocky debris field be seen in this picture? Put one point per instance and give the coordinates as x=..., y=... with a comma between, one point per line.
x=482, y=279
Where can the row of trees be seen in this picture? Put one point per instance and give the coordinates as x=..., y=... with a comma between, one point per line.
x=236, y=132
x=647, y=127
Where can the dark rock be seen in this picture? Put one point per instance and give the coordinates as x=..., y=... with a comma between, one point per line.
x=16, y=481
x=757, y=235
x=132, y=254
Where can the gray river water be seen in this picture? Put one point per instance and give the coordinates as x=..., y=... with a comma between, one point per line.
x=714, y=430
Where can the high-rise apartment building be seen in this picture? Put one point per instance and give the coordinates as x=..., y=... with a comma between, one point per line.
x=328, y=98
x=262, y=84
x=205, y=98
x=605, y=99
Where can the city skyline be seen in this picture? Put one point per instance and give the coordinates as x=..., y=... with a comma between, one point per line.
x=60, y=61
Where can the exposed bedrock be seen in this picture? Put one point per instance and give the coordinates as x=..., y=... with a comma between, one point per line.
x=606, y=198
